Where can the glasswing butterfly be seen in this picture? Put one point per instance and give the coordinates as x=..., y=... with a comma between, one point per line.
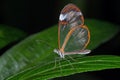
x=73, y=35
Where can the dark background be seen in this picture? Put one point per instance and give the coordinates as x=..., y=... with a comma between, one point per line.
x=33, y=16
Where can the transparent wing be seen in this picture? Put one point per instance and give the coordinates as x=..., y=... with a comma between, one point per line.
x=78, y=40
x=70, y=18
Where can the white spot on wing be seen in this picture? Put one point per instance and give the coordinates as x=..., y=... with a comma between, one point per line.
x=79, y=13
x=62, y=17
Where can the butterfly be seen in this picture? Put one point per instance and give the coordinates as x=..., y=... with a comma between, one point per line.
x=73, y=35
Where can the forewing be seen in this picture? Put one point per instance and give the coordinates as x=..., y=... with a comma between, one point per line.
x=78, y=40
x=70, y=18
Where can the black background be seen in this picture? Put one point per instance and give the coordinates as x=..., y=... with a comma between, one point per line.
x=36, y=15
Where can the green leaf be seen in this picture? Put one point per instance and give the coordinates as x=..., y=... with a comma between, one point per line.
x=65, y=67
x=9, y=34
x=33, y=58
